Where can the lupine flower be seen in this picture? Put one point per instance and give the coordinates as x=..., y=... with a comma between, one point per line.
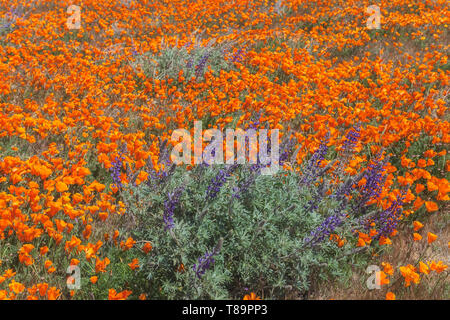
x=204, y=264
x=116, y=169
x=218, y=181
x=243, y=186
x=169, y=207
x=12, y=16
x=388, y=219
x=189, y=63
x=374, y=178
x=155, y=178
x=312, y=168
x=238, y=56
x=287, y=147
x=326, y=228
x=206, y=261
x=351, y=139
x=317, y=198
x=200, y=67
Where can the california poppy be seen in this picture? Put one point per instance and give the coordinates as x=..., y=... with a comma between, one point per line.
x=251, y=296
x=431, y=237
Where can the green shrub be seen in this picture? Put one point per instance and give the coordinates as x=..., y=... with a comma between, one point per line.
x=168, y=62
x=266, y=232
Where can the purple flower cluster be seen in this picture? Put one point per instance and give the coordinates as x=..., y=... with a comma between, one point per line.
x=189, y=63
x=134, y=51
x=375, y=178
x=351, y=139
x=157, y=177
x=387, y=220
x=317, y=198
x=325, y=229
x=255, y=169
x=200, y=67
x=312, y=170
x=244, y=185
x=13, y=15
x=117, y=167
x=287, y=146
x=238, y=56
x=170, y=205
x=206, y=261
x=218, y=181
x=345, y=189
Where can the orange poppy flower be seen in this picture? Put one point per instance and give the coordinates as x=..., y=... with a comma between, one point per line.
x=383, y=278
x=53, y=293
x=61, y=186
x=113, y=295
x=87, y=232
x=390, y=296
x=47, y=264
x=384, y=241
x=419, y=188
x=147, y=247
x=438, y=267
x=42, y=287
x=418, y=203
x=16, y=287
x=431, y=186
x=134, y=264
x=410, y=275
x=361, y=243
x=180, y=268
x=251, y=296
x=74, y=262
x=100, y=265
x=431, y=237
x=387, y=268
x=423, y=268
x=421, y=163
x=127, y=244
x=431, y=206
x=417, y=225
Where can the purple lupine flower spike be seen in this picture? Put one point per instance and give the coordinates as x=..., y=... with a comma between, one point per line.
x=169, y=207
x=200, y=67
x=117, y=167
x=218, y=181
x=205, y=262
x=351, y=139
x=325, y=229
x=387, y=220
x=238, y=56
x=312, y=168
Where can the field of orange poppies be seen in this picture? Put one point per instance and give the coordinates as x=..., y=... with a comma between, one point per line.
x=90, y=88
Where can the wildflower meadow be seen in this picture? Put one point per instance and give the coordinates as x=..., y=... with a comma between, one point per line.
x=224, y=149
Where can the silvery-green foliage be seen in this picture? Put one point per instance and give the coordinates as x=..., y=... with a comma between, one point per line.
x=264, y=232
x=7, y=23
x=192, y=58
